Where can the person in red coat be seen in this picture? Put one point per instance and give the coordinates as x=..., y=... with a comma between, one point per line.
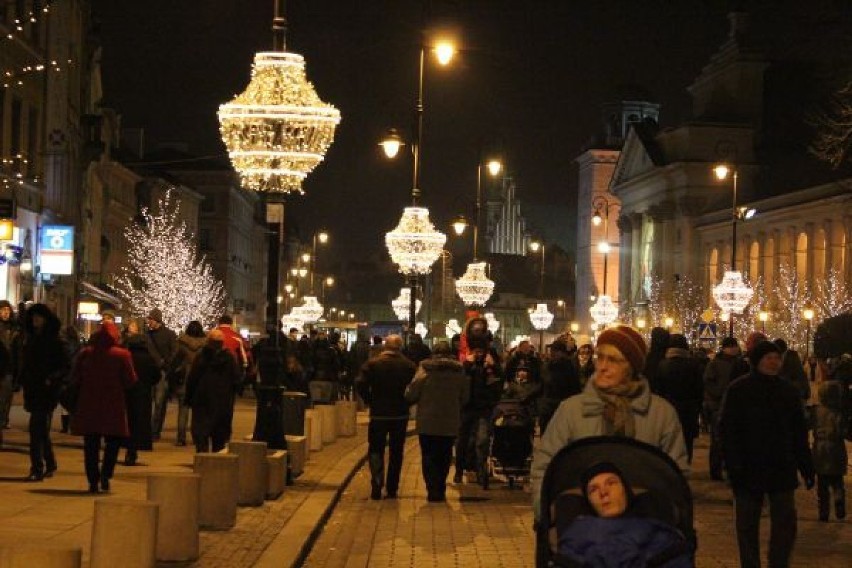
x=102, y=373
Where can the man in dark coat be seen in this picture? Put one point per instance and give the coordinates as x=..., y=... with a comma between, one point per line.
x=44, y=367
x=680, y=381
x=9, y=332
x=416, y=350
x=325, y=362
x=726, y=366
x=765, y=441
x=381, y=385
x=561, y=381
x=163, y=345
x=139, y=395
x=793, y=371
x=524, y=355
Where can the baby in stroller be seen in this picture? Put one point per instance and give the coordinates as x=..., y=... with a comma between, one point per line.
x=603, y=514
x=513, y=427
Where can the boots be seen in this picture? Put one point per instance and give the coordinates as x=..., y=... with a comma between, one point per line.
x=65, y=420
x=840, y=509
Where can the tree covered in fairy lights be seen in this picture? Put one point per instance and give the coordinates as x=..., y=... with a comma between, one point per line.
x=832, y=295
x=687, y=304
x=164, y=271
x=791, y=295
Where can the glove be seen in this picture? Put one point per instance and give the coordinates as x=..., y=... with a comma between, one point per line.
x=810, y=481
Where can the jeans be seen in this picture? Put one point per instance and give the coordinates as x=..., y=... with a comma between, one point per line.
x=41, y=449
x=391, y=433
x=826, y=484
x=437, y=453
x=473, y=443
x=161, y=401
x=91, y=454
x=782, y=527
x=6, y=394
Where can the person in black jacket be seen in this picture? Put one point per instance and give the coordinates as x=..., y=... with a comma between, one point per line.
x=656, y=353
x=765, y=442
x=381, y=385
x=560, y=382
x=139, y=397
x=680, y=381
x=325, y=365
x=9, y=332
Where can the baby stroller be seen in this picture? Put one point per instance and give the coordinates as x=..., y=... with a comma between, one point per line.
x=662, y=496
x=512, y=426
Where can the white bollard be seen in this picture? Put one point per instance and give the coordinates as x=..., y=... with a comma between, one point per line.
x=253, y=476
x=220, y=489
x=43, y=556
x=276, y=467
x=297, y=450
x=315, y=428
x=347, y=418
x=177, y=530
x=124, y=533
x=328, y=415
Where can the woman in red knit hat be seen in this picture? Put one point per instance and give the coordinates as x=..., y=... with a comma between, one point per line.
x=617, y=401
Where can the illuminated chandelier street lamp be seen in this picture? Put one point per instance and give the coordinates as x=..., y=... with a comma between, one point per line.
x=541, y=320
x=474, y=287
x=493, y=324
x=414, y=245
x=452, y=328
x=604, y=311
x=292, y=320
x=402, y=305
x=732, y=294
x=421, y=330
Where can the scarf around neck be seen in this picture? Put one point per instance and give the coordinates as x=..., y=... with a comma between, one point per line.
x=617, y=414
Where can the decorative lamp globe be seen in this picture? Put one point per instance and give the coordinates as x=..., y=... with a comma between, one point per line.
x=604, y=312
x=493, y=324
x=311, y=310
x=277, y=130
x=732, y=294
x=540, y=317
x=452, y=328
x=421, y=330
x=415, y=245
x=474, y=287
x=402, y=305
x=291, y=320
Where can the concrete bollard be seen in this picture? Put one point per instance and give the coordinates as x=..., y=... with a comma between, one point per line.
x=220, y=489
x=177, y=530
x=43, y=556
x=315, y=426
x=328, y=415
x=124, y=533
x=276, y=467
x=347, y=418
x=252, y=468
x=297, y=450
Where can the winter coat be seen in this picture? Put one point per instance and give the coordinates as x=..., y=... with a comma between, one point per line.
x=144, y=363
x=656, y=354
x=382, y=384
x=188, y=349
x=581, y=416
x=211, y=385
x=680, y=382
x=417, y=352
x=43, y=366
x=9, y=337
x=560, y=382
x=621, y=542
x=486, y=386
x=325, y=362
x=163, y=346
x=793, y=372
x=830, y=428
x=439, y=389
x=233, y=343
x=529, y=360
x=140, y=394
x=718, y=374
x=103, y=372
x=764, y=435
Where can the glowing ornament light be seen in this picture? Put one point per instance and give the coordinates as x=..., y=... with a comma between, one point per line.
x=452, y=328
x=278, y=130
x=421, y=330
x=604, y=312
x=540, y=317
x=414, y=245
x=474, y=287
x=311, y=310
x=402, y=305
x=493, y=324
x=732, y=294
x=292, y=320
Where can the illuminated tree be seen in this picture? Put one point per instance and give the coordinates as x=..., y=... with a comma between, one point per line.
x=164, y=271
x=687, y=303
x=833, y=295
x=791, y=296
x=656, y=302
x=833, y=140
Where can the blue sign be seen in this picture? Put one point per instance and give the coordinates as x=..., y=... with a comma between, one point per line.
x=57, y=249
x=706, y=333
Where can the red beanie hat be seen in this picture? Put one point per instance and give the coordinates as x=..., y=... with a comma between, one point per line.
x=753, y=339
x=629, y=342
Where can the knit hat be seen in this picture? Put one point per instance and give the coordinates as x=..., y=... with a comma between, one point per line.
x=757, y=352
x=156, y=315
x=604, y=467
x=753, y=339
x=629, y=342
x=5, y=304
x=730, y=342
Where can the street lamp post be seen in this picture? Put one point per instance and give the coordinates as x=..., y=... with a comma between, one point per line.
x=327, y=282
x=604, y=311
x=763, y=316
x=808, y=314
x=322, y=238
x=535, y=246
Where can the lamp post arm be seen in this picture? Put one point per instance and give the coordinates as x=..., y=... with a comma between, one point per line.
x=418, y=127
x=478, y=206
x=734, y=226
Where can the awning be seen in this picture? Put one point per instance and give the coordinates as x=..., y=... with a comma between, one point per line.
x=100, y=294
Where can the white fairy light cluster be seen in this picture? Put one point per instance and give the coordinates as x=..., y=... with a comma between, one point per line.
x=474, y=287
x=540, y=317
x=604, y=311
x=402, y=305
x=164, y=271
x=414, y=245
x=278, y=130
x=452, y=328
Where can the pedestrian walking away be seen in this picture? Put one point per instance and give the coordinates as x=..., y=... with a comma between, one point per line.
x=382, y=385
x=190, y=343
x=726, y=366
x=163, y=344
x=830, y=428
x=9, y=337
x=680, y=381
x=139, y=396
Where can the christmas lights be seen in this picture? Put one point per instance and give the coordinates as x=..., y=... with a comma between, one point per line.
x=474, y=287
x=402, y=305
x=414, y=245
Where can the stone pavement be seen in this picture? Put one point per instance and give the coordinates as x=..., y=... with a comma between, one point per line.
x=59, y=511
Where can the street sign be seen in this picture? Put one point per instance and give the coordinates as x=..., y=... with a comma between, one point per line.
x=706, y=334
x=57, y=249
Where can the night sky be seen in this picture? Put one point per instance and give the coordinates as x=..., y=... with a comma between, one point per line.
x=529, y=81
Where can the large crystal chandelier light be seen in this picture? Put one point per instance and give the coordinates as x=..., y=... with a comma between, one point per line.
x=402, y=305
x=732, y=294
x=311, y=310
x=278, y=129
x=292, y=320
x=493, y=324
x=415, y=245
x=421, y=329
x=474, y=287
x=452, y=328
x=604, y=312
x=541, y=318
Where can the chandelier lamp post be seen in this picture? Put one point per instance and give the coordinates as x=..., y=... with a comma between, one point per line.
x=320, y=237
x=808, y=314
x=414, y=245
x=604, y=311
x=474, y=287
x=732, y=294
x=402, y=305
x=541, y=319
x=763, y=316
x=536, y=246
x=493, y=324
x=452, y=328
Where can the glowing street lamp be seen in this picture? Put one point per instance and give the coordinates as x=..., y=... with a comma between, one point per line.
x=763, y=316
x=808, y=314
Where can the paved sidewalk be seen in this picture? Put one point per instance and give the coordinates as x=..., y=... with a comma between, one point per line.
x=59, y=511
